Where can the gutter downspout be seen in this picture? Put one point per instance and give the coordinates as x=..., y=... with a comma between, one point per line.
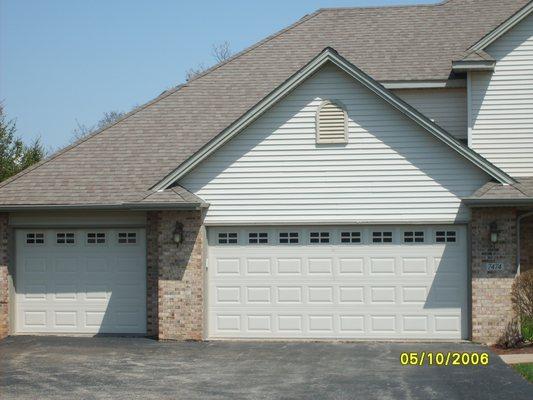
x=518, y=255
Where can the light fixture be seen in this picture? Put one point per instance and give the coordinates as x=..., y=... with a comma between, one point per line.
x=177, y=235
x=493, y=232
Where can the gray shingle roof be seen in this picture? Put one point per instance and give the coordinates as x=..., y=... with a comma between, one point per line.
x=522, y=191
x=120, y=163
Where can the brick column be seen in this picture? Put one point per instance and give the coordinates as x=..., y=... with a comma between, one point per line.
x=491, y=302
x=4, y=282
x=175, y=276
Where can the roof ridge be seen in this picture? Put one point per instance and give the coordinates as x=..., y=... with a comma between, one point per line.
x=386, y=6
x=163, y=95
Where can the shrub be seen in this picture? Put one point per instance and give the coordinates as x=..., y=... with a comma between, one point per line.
x=527, y=329
x=511, y=336
x=522, y=295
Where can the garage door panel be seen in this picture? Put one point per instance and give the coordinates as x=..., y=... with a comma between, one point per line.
x=351, y=266
x=35, y=265
x=332, y=290
x=80, y=287
x=65, y=265
x=64, y=320
x=289, y=266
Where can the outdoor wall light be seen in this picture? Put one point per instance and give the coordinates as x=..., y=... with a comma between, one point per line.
x=177, y=236
x=494, y=232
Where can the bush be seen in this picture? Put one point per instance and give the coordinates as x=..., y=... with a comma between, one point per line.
x=522, y=295
x=511, y=336
x=527, y=329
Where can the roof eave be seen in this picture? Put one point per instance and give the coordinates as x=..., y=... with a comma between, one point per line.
x=498, y=202
x=103, y=207
x=465, y=66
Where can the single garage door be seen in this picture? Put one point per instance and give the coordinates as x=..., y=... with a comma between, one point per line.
x=338, y=282
x=81, y=281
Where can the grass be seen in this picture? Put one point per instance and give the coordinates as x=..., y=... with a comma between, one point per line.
x=526, y=370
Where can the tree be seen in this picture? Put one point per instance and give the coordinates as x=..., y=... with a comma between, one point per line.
x=15, y=155
x=220, y=52
x=83, y=130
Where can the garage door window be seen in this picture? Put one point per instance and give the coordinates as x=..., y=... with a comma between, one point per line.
x=350, y=237
x=413, y=237
x=445, y=236
x=319, y=237
x=289, y=238
x=258, y=238
x=127, y=237
x=35, y=238
x=382, y=237
x=96, y=237
x=227, y=238
x=65, y=238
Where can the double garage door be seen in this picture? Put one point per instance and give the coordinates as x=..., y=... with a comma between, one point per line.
x=80, y=281
x=338, y=282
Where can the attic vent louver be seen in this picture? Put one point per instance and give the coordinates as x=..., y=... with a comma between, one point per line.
x=331, y=123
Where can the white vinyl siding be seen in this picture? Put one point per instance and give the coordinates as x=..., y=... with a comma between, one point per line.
x=390, y=169
x=502, y=103
x=446, y=107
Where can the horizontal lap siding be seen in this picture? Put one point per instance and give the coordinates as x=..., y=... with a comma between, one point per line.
x=502, y=103
x=446, y=107
x=390, y=169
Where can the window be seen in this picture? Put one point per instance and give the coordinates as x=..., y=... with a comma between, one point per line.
x=227, y=238
x=350, y=237
x=65, y=238
x=331, y=123
x=258, y=237
x=95, y=237
x=35, y=238
x=127, y=237
x=319, y=237
x=445, y=236
x=382, y=237
x=413, y=237
x=289, y=238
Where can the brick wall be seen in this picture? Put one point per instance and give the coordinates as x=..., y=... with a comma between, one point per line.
x=491, y=303
x=175, y=276
x=526, y=244
x=4, y=283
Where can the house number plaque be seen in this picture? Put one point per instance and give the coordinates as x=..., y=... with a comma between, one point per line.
x=492, y=267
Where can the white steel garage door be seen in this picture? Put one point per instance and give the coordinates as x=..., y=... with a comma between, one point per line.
x=81, y=281
x=338, y=282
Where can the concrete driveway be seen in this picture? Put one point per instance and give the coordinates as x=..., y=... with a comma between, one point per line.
x=128, y=368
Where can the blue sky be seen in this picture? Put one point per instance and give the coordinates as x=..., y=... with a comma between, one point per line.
x=63, y=61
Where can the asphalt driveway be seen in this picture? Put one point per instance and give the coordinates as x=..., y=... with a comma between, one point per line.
x=132, y=368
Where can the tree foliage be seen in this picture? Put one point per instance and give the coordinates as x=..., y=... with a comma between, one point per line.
x=220, y=52
x=83, y=130
x=15, y=155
